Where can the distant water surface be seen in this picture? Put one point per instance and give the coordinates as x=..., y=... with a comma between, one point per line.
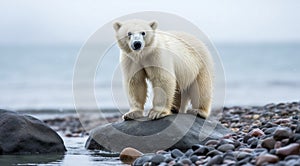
x=38, y=77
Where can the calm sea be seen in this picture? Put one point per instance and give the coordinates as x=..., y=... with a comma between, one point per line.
x=40, y=77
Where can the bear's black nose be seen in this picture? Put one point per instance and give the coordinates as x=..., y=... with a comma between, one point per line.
x=137, y=45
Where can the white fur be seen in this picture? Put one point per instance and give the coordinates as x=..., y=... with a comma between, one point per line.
x=177, y=64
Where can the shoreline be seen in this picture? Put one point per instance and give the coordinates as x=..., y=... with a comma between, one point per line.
x=69, y=123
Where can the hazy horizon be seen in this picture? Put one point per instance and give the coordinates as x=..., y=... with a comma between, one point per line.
x=34, y=22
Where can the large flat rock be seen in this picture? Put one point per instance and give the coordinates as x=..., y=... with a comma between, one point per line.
x=179, y=131
x=24, y=134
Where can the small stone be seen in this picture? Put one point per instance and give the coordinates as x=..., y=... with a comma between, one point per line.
x=280, y=121
x=226, y=141
x=214, y=153
x=229, y=156
x=68, y=133
x=268, y=143
x=267, y=158
x=270, y=130
x=176, y=153
x=128, y=155
x=246, y=150
x=236, y=143
x=199, y=162
x=277, y=145
x=161, y=152
x=186, y=161
x=196, y=146
x=251, y=140
x=194, y=158
x=211, y=143
x=291, y=149
x=157, y=159
x=281, y=106
x=246, y=137
x=172, y=162
x=142, y=160
x=285, y=142
x=201, y=151
x=256, y=116
x=296, y=138
x=254, y=144
x=282, y=133
x=215, y=160
x=259, y=151
x=298, y=128
x=292, y=157
x=229, y=162
x=188, y=153
x=269, y=125
x=242, y=155
x=293, y=162
x=225, y=147
x=168, y=160
x=256, y=132
x=244, y=161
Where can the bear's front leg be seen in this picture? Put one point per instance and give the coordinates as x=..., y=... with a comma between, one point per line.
x=137, y=92
x=164, y=88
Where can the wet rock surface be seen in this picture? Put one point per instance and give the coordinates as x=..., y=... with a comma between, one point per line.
x=24, y=134
x=179, y=131
x=266, y=135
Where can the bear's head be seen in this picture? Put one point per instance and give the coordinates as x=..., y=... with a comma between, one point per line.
x=135, y=35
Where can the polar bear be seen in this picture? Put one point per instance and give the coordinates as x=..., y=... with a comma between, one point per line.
x=178, y=65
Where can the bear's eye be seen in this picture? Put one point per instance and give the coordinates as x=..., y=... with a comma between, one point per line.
x=129, y=34
x=143, y=33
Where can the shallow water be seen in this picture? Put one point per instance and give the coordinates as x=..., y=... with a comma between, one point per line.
x=76, y=155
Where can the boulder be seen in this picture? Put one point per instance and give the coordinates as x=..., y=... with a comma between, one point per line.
x=24, y=134
x=178, y=131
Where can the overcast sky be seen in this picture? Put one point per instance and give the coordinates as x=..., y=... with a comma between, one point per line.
x=73, y=21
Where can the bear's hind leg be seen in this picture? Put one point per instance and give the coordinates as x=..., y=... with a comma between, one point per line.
x=200, y=93
x=177, y=100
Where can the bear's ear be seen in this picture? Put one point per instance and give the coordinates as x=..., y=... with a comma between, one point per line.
x=117, y=25
x=153, y=24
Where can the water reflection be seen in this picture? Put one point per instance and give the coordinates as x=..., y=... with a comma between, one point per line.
x=30, y=159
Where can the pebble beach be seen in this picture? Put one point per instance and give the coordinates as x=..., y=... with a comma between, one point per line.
x=262, y=135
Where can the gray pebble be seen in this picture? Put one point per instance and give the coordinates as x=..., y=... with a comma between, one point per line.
x=298, y=128
x=282, y=133
x=242, y=155
x=226, y=147
x=176, y=153
x=218, y=159
x=194, y=158
x=244, y=161
x=201, y=151
x=156, y=159
x=142, y=160
x=186, y=161
x=214, y=153
x=212, y=143
x=189, y=152
x=296, y=138
x=270, y=130
x=290, y=157
x=229, y=156
x=268, y=143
